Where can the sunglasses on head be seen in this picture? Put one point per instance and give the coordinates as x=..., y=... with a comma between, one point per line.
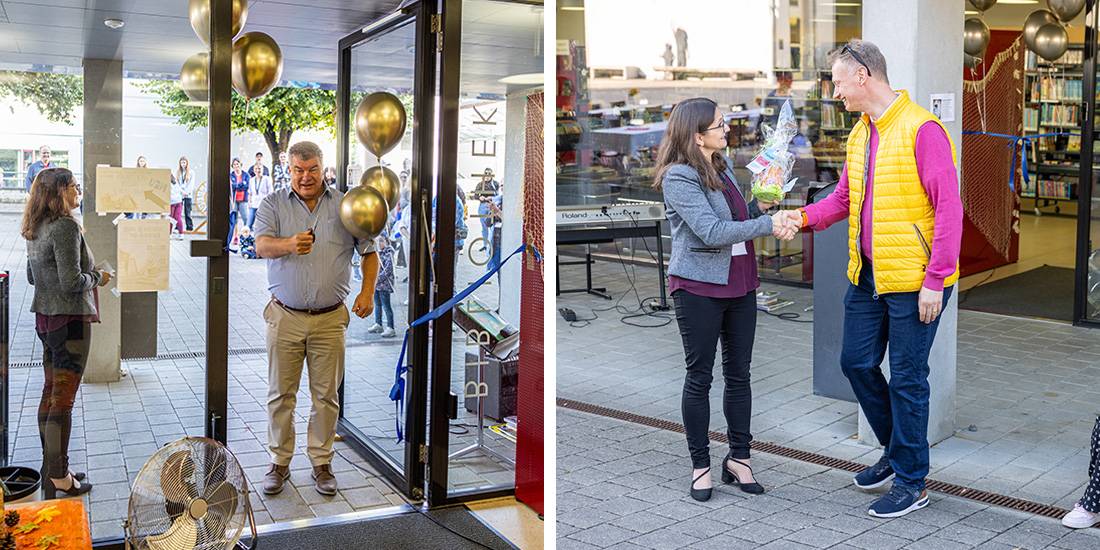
x=848, y=50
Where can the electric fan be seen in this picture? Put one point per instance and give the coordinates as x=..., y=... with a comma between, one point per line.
x=190, y=495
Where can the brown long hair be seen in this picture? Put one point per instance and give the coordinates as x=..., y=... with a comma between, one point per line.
x=46, y=202
x=689, y=117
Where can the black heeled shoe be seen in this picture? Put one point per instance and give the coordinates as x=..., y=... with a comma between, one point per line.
x=76, y=489
x=728, y=476
x=702, y=495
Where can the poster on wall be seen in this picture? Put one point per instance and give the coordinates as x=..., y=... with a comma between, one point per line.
x=943, y=107
x=143, y=254
x=145, y=190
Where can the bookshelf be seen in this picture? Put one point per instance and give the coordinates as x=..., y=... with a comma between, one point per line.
x=1053, y=103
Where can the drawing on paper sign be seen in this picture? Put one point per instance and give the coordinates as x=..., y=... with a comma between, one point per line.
x=144, y=190
x=143, y=254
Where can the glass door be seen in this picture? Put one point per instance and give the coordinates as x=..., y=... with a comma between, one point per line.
x=396, y=55
x=1086, y=303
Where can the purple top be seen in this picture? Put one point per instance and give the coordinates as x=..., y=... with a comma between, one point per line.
x=743, y=278
x=49, y=323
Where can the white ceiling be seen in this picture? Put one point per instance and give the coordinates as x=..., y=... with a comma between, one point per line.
x=499, y=39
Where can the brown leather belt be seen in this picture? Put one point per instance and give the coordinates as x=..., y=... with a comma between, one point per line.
x=321, y=311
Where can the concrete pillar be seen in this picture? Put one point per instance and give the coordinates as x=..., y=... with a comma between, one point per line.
x=515, y=138
x=102, y=145
x=922, y=42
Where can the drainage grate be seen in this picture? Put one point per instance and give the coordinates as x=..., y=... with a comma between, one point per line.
x=822, y=460
x=200, y=354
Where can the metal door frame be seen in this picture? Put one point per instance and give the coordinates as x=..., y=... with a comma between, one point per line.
x=1087, y=173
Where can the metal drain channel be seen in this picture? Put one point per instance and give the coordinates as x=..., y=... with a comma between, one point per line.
x=977, y=495
x=200, y=354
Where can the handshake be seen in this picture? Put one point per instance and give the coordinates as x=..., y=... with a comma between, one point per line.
x=786, y=224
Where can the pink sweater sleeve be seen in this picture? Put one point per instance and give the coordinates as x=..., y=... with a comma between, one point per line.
x=831, y=209
x=936, y=168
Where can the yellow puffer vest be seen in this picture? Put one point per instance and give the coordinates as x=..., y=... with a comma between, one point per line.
x=900, y=204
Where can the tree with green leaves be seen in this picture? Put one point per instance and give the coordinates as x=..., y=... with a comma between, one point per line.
x=276, y=115
x=55, y=95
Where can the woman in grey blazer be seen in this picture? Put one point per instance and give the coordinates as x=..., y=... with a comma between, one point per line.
x=713, y=281
x=59, y=266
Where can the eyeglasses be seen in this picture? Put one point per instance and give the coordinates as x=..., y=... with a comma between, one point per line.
x=850, y=51
x=719, y=125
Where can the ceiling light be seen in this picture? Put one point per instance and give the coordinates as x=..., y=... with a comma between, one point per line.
x=843, y=4
x=971, y=12
x=571, y=5
x=114, y=23
x=1021, y=2
x=527, y=78
x=824, y=20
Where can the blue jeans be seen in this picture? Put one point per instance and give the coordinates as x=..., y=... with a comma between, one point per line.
x=897, y=411
x=242, y=210
x=382, y=303
x=251, y=217
x=486, y=221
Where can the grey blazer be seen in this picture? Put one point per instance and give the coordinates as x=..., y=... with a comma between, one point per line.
x=61, y=268
x=703, y=227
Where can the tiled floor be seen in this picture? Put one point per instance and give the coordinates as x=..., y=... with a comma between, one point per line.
x=1025, y=404
x=123, y=423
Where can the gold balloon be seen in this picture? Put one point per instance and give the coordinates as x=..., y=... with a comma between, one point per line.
x=199, y=12
x=194, y=77
x=380, y=122
x=257, y=64
x=364, y=212
x=385, y=181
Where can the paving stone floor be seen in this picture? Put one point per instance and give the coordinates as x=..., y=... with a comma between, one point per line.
x=158, y=401
x=623, y=486
x=1025, y=402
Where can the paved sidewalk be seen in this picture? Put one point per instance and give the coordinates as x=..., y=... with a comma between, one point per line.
x=1026, y=400
x=118, y=426
x=623, y=486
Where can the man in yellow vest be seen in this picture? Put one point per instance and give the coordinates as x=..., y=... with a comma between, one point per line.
x=899, y=191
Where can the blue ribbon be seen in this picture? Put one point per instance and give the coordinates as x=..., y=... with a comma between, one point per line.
x=397, y=391
x=1023, y=142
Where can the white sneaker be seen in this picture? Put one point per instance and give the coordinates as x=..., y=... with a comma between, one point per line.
x=375, y=328
x=389, y=333
x=1080, y=518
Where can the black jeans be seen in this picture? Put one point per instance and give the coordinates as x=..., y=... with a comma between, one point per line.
x=64, y=355
x=187, y=215
x=702, y=321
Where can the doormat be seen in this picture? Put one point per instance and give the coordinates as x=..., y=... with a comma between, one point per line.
x=442, y=529
x=1044, y=292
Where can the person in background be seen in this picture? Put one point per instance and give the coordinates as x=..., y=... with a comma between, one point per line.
x=258, y=189
x=187, y=182
x=281, y=173
x=383, y=289
x=175, y=202
x=248, y=244
x=330, y=177
x=486, y=190
x=65, y=304
x=1086, y=512
x=258, y=169
x=238, y=184
x=496, y=225
x=141, y=162
x=37, y=166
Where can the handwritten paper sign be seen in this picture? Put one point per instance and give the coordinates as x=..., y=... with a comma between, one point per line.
x=143, y=255
x=144, y=190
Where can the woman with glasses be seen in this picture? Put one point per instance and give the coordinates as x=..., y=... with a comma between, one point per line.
x=65, y=304
x=713, y=281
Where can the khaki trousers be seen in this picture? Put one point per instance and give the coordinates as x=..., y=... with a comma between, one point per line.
x=319, y=340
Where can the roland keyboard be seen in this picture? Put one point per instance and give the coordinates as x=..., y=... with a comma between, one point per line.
x=619, y=212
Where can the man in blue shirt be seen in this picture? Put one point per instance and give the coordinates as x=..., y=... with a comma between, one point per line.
x=37, y=166
x=299, y=233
